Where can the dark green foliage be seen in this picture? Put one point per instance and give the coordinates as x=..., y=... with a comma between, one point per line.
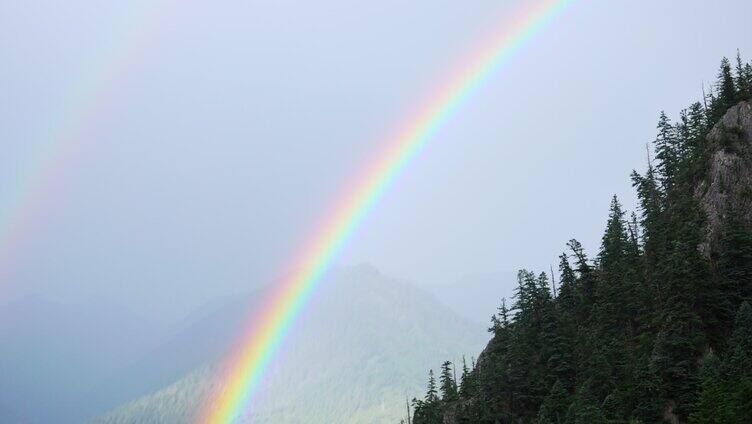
x=726, y=385
x=651, y=329
x=464, y=388
x=584, y=410
x=448, y=385
x=734, y=263
x=712, y=403
x=726, y=89
x=667, y=151
x=743, y=79
x=554, y=408
x=428, y=410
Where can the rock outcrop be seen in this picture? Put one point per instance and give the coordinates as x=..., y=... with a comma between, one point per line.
x=727, y=183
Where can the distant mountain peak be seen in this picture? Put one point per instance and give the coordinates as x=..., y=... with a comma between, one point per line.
x=363, y=342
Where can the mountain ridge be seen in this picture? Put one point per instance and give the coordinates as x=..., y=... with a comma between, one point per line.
x=348, y=359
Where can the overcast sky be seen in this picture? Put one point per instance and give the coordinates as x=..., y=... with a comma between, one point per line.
x=196, y=143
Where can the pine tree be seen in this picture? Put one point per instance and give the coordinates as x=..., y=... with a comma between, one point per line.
x=584, y=410
x=743, y=83
x=712, y=406
x=739, y=362
x=500, y=320
x=651, y=203
x=737, y=367
x=526, y=350
x=667, y=148
x=448, y=384
x=735, y=259
x=494, y=379
x=428, y=410
x=567, y=286
x=586, y=282
x=748, y=79
x=673, y=359
x=644, y=397
x=465, y=386
x=553, y=410
x=697, y=127
x=726, y=88
x=431, y=393
x=635, y=307
x=613, y=294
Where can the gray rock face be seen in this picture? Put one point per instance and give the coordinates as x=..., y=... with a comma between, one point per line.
x=728, y=182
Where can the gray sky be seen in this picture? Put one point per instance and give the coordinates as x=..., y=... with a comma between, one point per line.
x=229, y=127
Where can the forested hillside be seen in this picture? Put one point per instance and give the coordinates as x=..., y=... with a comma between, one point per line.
x=654, y=327
x=351, y=359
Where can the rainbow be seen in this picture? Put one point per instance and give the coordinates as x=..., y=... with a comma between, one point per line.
x=34, y=183
x=268, y=327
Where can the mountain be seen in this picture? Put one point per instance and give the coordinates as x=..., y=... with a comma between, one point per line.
x=350, y=358
x=657, y=325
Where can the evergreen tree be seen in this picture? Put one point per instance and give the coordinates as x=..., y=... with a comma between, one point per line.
x=747, y=76
x=567, y=286
x=586, y=282
x=584, y=410
x=431, y=393
x=712, y=405
x=735, y=259
x=741, y=339
x=743, y=82
x=644, y=391
x=726, y=88
x=428, y=410
x=697, y=126
x=448, y=384
x=465, y=388
x=613, y=292
x=554, y=407
x=667, y=151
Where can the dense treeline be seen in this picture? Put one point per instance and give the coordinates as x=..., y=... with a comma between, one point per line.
x=653, y=328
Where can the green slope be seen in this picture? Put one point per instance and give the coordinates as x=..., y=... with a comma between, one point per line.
x=351, y=358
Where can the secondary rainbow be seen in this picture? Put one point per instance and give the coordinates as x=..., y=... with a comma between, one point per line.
x=267, y=328
x=36, y=182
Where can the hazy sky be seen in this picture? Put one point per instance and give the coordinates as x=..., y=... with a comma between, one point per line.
x=209, y=137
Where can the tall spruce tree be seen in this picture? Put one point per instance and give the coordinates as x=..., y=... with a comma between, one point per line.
x=735, y=259
x=743, y=82
x=613, y=292
x=448, y=385
x=726, y=89
x=667, y=151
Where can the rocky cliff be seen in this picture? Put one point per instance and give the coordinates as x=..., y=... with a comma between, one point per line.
x=727, y=184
